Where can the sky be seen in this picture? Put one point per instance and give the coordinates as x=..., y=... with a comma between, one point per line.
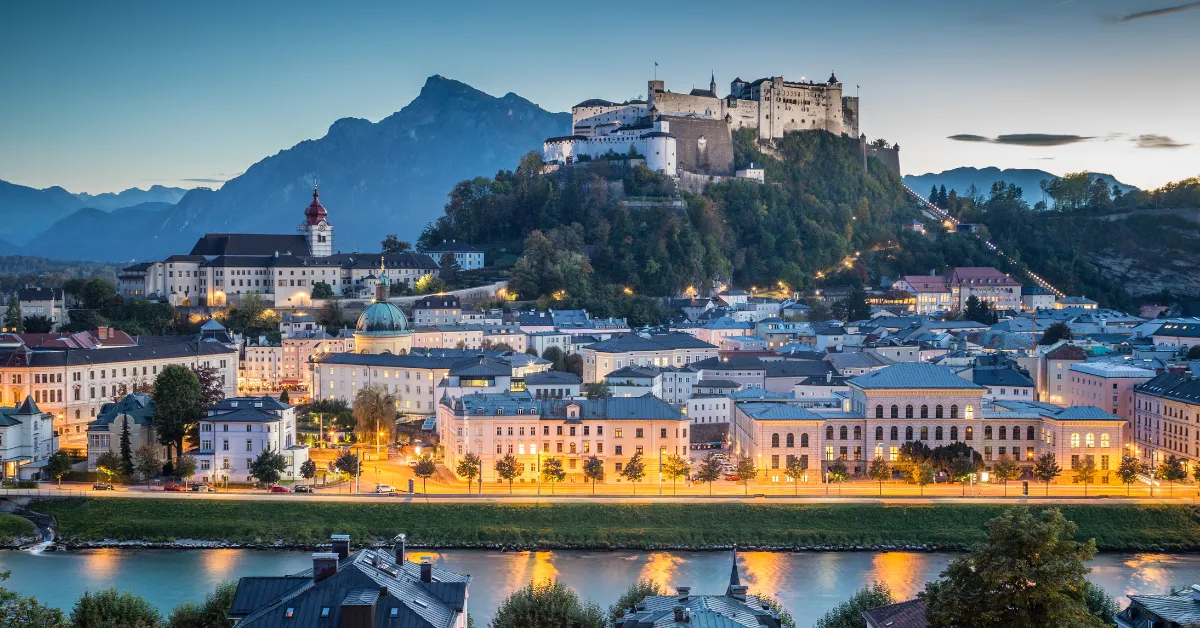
x=98, y=97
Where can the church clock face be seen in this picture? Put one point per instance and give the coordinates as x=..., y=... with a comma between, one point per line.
x=320, y=227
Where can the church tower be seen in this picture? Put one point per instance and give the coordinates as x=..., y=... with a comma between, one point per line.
x=316, y=229
x=712, y=84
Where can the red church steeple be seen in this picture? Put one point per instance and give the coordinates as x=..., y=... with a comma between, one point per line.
x=315, y=214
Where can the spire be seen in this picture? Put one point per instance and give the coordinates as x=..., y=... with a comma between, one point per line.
x=315, y=213
x=734, y=580
x=712, y=84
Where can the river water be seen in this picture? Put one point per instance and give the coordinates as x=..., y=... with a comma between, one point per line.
x=808, y=584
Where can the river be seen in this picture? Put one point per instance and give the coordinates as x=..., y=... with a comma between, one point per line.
x=808, y=584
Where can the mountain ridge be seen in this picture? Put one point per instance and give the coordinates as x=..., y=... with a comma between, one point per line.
x=962, y=177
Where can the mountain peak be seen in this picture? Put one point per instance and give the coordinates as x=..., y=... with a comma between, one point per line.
x=438, y=87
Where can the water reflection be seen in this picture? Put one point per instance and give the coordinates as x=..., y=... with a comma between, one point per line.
x=900, y=571
x=103, y=563
x=660, y=567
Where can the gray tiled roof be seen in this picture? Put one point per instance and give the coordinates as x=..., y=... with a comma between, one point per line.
x=1170, y=386
x=1180, y=609
x=552, y=377
x=139, y=406
x=706, y=611
x=910, y=614
x=647, y=407
x=778, y=412
x=656, y=342
x=913, y=375
x=1085, y=413
x=988, y=376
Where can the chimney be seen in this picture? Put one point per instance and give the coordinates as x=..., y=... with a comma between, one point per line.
x=679, y=614
x=683, y=593
x=325, y=564
x=828, y=377
x=341, y=545
x=1196, y=592
x=383, y=591
x=738, y=592
x=426, y=569
x=398, y=549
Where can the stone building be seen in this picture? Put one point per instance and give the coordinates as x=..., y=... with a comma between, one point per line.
x=1166, y=409
x=27, y=439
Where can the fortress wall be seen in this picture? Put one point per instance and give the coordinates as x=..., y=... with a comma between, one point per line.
x=713, y=155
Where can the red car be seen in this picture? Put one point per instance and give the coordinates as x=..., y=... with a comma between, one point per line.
x=173, y=487
x=280, y=489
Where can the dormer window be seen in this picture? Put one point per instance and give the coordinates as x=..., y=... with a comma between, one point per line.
x=289, y=613
x=324, y=611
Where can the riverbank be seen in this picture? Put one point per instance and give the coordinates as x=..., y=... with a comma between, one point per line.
x=210, y=523
x=15, y=531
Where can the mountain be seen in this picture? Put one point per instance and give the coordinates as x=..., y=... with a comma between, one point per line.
x=109, y=201
x=26, y=212
x=93, y=234
x=961, y=179
x=376, y=178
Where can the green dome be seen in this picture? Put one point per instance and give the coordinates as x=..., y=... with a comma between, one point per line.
x=381, y=319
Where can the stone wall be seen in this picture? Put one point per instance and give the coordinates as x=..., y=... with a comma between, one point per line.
x=703, y=146
x=889, y=156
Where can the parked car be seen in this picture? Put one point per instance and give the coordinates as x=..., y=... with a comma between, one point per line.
x=732, y=477
x=102, y=486
x=385, y=488
x=304, y=488
x=173, y=487
x=275, y=488
x=204, y=488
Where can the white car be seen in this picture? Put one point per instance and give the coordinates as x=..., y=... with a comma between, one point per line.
x=384, y=488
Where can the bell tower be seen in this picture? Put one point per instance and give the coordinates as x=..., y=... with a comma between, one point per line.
x=316, y=228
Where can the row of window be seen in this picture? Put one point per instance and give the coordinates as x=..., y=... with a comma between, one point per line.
x=939, y=411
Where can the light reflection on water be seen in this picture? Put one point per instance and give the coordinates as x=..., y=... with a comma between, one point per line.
x=808, y=584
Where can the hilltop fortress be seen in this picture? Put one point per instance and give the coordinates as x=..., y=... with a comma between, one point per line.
x=680, y=134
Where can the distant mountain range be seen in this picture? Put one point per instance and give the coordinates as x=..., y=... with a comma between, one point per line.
x=961, y=179
x=109, y=201
x=376, y=178
x=28, y=212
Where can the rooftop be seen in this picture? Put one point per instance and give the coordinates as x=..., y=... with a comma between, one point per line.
x=912, y=375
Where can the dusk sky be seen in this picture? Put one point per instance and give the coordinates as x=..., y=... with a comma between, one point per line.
x=99, y=97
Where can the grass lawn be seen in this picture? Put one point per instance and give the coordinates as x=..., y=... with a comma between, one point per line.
x=12, y=526
x=1115, y=527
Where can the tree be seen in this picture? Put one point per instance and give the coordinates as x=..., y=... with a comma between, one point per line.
x=709, y=471
x=1129, y=470
x=331, y=314
x=449, y=270
x=848, y=614
x=108, y=463
x=819, y=312
x=109, y=608
x=393, y=245
x=557, y=358
x=962, y=469
x=880, y=471
x=507, y=468
x=676, y=467
x=284, y=398
x=796, y=468
x=552, y=472
x=375, y=415
x=1032, y=558
x=146, y=461
x=127, y=466
x=178, y=399
x=333, y=411
x=424, y=469
x=573, y=363
x=268, y=466
x=1054, y=333
x=549, y=604
x=1006, y=470
x=58, y=465
x=1045, y=468
x=430, y=284
x=593, y=469
x=1172, y=471
x=856, y=306
x=347, y=462
x=634, y=470
x=933, y=195
x=12, y=316
x=837, y=473
x=746, y=471
x=308, y=469
x=37, y=324
x=1194, y=353
x=1101, y=605
x=641, y=589
x=322, y=290
x=185, y=467
x=18, y=611
x=1085, y=473
x=979, y=311
x=596, y=390
x=213, y=612
x=468, y=467
x=923, y=475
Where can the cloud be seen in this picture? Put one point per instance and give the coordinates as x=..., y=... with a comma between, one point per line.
x=1024, y=139
x=1157, y=141
x=204, y=180
x=1163, y=11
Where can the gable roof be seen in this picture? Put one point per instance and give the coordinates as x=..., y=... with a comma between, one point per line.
x=217, y=244
x=909, y=614
x=912, y=375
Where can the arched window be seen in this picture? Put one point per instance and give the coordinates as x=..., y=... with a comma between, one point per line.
x=895, y=433
x=879, y=412
x=572, y=448
x=937, y=433
x=895, y=411
x=829, y=431
x=970, y=432
x=1104, y=442
x=1075, y=439
x=953, y=432
x=804, y=440
x=938, y=412
x=1090, y=440
x=842, y=432
x=987, y=432
x=1003, y=433
x=1029, y=433
x=908, y=411
x=774, y=440
x=791, y=440
x=879, y=432
x=954, y=411
x=970, y=410
x=857, y=432
x=908, y=433
x=924, y=411
x=924, y=432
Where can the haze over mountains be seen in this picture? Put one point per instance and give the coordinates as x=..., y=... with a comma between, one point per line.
x=962, y=178
x=390, y=176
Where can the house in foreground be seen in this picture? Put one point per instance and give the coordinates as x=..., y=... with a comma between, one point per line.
x=371, y=588
x=734, y=609
x=27, y=439
x=1162, y=611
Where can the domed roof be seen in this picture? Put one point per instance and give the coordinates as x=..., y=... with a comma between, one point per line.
x=380, y=319
x=315, y=212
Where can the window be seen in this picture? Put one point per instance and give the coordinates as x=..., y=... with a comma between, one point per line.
x=1075, y=461
x=1104, y=463
x=775, y=461
x=1075, y=440
x=895, y=433
x=908, y=411
x=924, y=411
x=954, y=411
x=662, y=432
x=617, y=432
x=828, y=432
x=895, y=411
x=908, y=433
x=938, y=414
x=879, y=432
x=953, y=432
x=804, y=440
x=1003, y=433
x=842, y=433
x=879, y=412
x=1029, y=433
x=924, y=432
x=970, y=411
x=775, y=440
x=791, y=440
x=987, y=432
x=829, y=452
x=1104, y=442
x=1090, y=440
x=618, y=450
